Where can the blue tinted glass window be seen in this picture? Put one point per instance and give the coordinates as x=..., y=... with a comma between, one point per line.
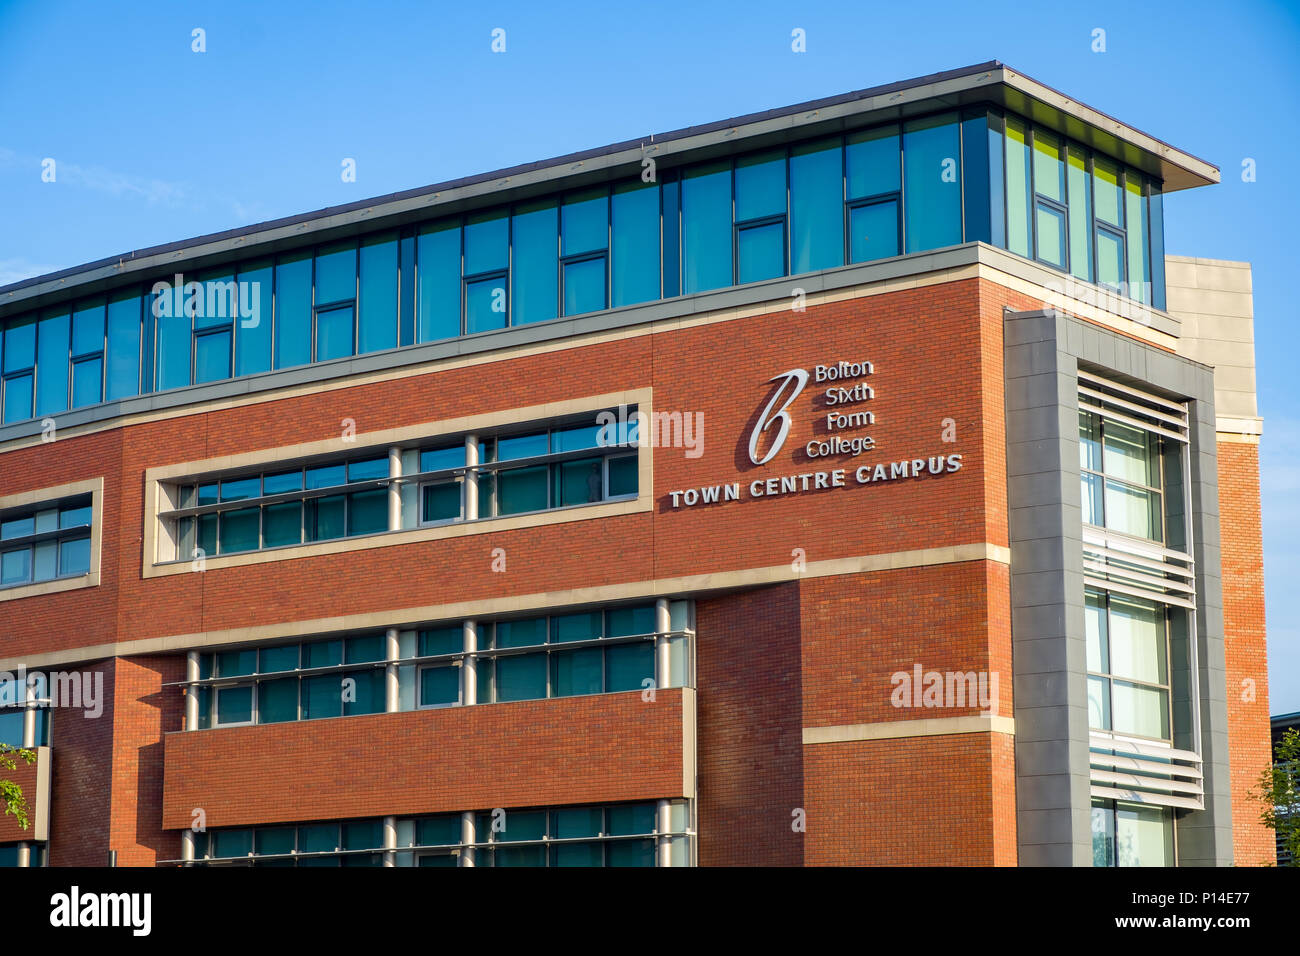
x=436, y=459
x=584, y=286
x=368, y=470
x=240, y=530
x=282, y=482
x=976, y=133
x=18, y=398
x=533, y=293
x=327, y=476
x=323, y=518
x=20, y=344
x=521, y=678
x=87, y=382
x=239, y=489
x=635, y=215
x=217, y=304
x=760, y=186
x=336, y=274
x=377, y=328
x=282, y=524
x=1110, y=260
x=762, y=252
x=486, y=243
x=931, y=186
x=333, y=333
x=123, y=347
x=585, y=223
x=1106, y=190
x=706, y=228
x=253, y=330
x=88, y=329
x=52, y=364
x=1135, y=215
x=1051, y=235
x=173, y=331
x=293, y=311
x=16, y=566
x=872, y=162
x=1049, y=167
x=873, y=231
x=522, y=446
x=672, y=237
x=212, y=356
x=485, y=305
x=816, y=207
x=1156, y=231
x=438, y=296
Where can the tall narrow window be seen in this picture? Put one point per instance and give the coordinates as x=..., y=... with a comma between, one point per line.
x=377, y=322
x=52, y=349
x=873, y=182
x=760, y=217
x=931, y=183
x=1079, y=190
x=634, y=218
x=88, y=354
x=1019, y=206
x=584, y=246
x=706, y=228
x=214, y=320
x=19, y=369
x=487, y=256
x=816, y=206
x=123, y=378
x=437, y=305
x=293, y=310
x=255, y=323
x=336, y=301
x=1049, y=200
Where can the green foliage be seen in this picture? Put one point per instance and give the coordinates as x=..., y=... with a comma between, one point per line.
x=10, y=793
x=1279, y=791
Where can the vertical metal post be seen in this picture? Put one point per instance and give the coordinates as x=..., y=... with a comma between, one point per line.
x=471, y=477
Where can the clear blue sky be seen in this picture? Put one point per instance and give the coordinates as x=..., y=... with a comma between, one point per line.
x=156, y=143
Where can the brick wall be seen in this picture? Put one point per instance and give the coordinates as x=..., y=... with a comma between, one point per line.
x=1244, y=646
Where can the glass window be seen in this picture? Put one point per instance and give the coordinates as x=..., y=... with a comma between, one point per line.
x=575, y=439
x=579, y=482
x=1018, y=187
x=333, y=333
x=1051, y=235
x=438, y=296
x=585, y=222
x=577, y=627
x=872, y=161
x=336, y=273
x=522, y=446
x=52, y=361
x=272, y=659
x=672, y=238
x=577, y=672
x=17, y=398
x=485, y=305
x=234, y=705
x=522, y=489
x=212, y=356
x=442, y=502
x=873, y=231
x=322, y=697
x=931, y=185
x=982, y=201
x=816, y=207
x=327, y=476
x=173, y=331
x=282, y=482
x=1079, y=183
x=20, y=344
x=438, y=459
x=706, y=228
x=88, y=329
x=368, y=469
x=368, y=511
x=628, y=666
x=622, y=475
x=533, y=292
x=1144, y=836
x=364, y=692
x=323, y=518
x=293, y=308
x=762, y=252
x=123, y=347
x=277, y=700
x=240, y=489
x=240, y=530
x=1137, y=644
x=16, y=566
x=1107, y=191
x=1049, y=168
x=487, y=239
x=521, y=678
x=1135, y=214
x=635, y=225
x=87, y=382
x=760, y=186
x=253, y=331
x=74, y=556
x=584, y=286
x=1110, y=260
x=377, y=323
x=439, y=686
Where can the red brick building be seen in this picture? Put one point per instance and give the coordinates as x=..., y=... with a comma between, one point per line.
x=854, y=483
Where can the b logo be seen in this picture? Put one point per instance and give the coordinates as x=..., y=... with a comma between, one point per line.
x=797, y=378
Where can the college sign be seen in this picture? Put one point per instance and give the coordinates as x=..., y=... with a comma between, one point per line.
x=844, y=395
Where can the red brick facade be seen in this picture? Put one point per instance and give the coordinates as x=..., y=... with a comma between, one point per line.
x=815, y=650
